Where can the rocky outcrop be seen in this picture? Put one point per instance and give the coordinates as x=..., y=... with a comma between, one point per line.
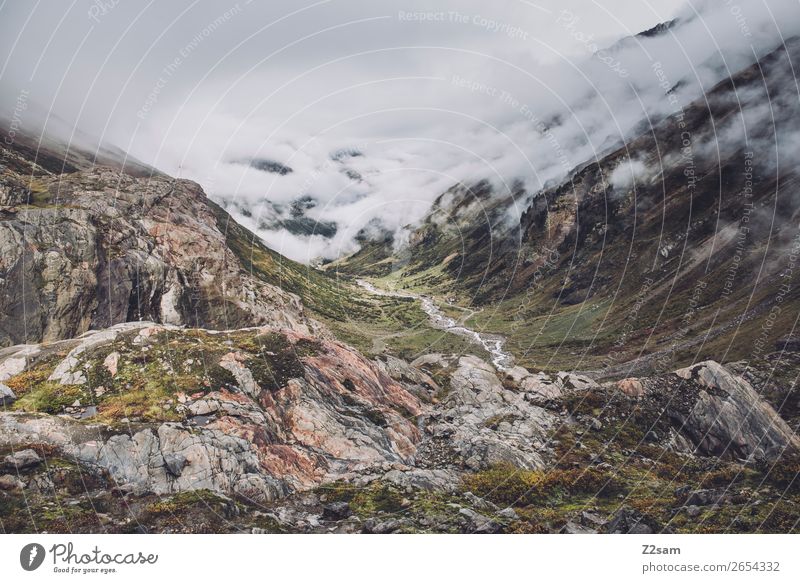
x=277, y=412
x=7, y=396
x=95, y=248
x=728, y=419
x=712, y=412
x=267, y=414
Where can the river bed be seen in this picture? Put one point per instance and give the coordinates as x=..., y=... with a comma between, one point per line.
x=494, y=344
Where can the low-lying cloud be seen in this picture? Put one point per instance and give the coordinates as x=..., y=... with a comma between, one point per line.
x=377, y=108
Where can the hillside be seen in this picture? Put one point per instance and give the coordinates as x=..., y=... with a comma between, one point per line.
x=675, y=247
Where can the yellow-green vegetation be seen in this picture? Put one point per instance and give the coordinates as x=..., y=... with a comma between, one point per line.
x=544, y=340
x=372, y=324
x=184, y=501
x=150, y=377
x=400, y=327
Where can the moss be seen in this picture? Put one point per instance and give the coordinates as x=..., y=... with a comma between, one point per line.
x=33, y=376
x=376, y=498
x=338, y=491
x=186, y=500
x=50, y=397
x=784, y=473
x=495, y=421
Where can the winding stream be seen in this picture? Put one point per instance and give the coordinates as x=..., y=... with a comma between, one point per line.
x=492, y=343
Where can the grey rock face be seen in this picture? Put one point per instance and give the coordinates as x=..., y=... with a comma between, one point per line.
x=485, y=423
x=23, y=459
x=707, y=497
x=137, y=462
x=336, y=511
x=340, y=412
x=727, y=418
x=9, y=482
x=117, y=248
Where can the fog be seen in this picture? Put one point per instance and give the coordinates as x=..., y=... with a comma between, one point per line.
x=376, y=107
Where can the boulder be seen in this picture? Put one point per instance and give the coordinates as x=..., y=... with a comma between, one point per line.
x=631, y=386
x=722, y=415
x=9, y=482
x=336, y=511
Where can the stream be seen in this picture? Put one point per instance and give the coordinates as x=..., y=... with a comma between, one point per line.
x=492, y=343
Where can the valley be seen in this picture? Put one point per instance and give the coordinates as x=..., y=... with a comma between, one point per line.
x=613, y=352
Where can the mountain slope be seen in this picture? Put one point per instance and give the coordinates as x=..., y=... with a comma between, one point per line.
x=675, y=247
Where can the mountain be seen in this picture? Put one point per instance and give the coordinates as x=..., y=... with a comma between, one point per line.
x=97, y=247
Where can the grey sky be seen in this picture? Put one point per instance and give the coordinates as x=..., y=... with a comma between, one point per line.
x=431, y=92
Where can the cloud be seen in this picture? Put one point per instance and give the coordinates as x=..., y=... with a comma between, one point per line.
x=627, y=173
x=431, y=94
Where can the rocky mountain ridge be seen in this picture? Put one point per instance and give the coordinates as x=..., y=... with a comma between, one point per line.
x=94, y=248
x=161, y=370
x=691, y=221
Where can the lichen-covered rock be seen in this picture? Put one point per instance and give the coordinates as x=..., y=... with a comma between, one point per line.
x=20, y=460
x=280, y=411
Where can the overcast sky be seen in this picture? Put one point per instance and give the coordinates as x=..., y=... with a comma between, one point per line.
x=431, y=93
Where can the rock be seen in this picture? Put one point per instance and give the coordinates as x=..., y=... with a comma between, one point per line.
x=541, y=388
x=577, y=382
x=111, y=362
x=336, y=511
x=721, y=415
x=631, y=387
x=67, y=372
x=706, y=497
x=592, y=519
x=336, y=411
x=9, y=482
x=7, y=396
x=419, y=383
x=381, y=527
x=508, y=514
x=232, y=362
x=15, y=363
x=575, y=528
x=485, y=423
x=627, y=521
x=478, y=522
x=167, y=245
x=27, y=458
x=89, y=412
x=595, y=424
x=693, y=511
x=174, y=463
x=480, y=503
